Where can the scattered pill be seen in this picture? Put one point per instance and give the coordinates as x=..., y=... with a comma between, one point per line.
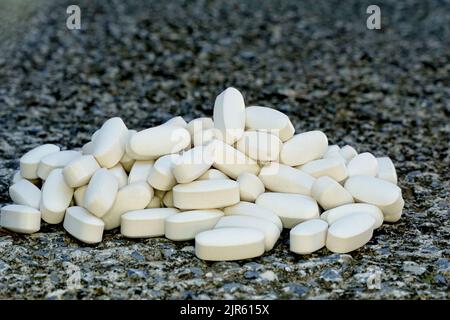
x=140, y=170
x=250, y=186
x=145, y=223
x=87, y=148
x=83, y=226
x=304, y=147
x=203, y=137
x=337, y=213
x=244, y=208
x=79, y=171
x=199, y=124
x=109, y=145
x=331, y=167
x=386, y=170
x=20, y=218
x=193, y=163
x=270, y=120
x=348, y=153
x=161, y=176
x=55, y=160
x=308, y=236
x=167, y=200
x=29, y=162
x=25, y=193
x=329, y=193
x=176, y=121
x=186, y=225
x=101, y=192
x=258, y=145
x=78, y=195
x=119, y=172
x=364, y=164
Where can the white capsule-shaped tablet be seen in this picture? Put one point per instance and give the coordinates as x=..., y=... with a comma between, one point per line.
x=145, y=223
x=186, y=225
x=269, y=120
x=119, y=172
x=161, y=176
x=278, y=177
x=386, y=170
x=329, y=193
x=79, y=171
x=393, y=212
x=101, y=192
x=291, y=208
x=78, y=195
x=350, y=233
x=199, y=124
x=25, y=193
x=259, y=145
x=212, y=174
x=109, y=145
x=87, y=148
x=56, y=197
x=244, y=208
x=193, y=163
x=203, y=137
x=140, y=170
x=308, y=236
x=20, y=218
x=304, y=147
x=167, y=200
x=364, y=164
x=337, y=213
x=348, y=153
x=83, y=226
x=176, y=121
x=55, y=160
x=206, y=194
x=250, y=186
x=331, y=167
x=29, y=162
x=226, y=244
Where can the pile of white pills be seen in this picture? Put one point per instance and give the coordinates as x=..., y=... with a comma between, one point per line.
x=231, y=183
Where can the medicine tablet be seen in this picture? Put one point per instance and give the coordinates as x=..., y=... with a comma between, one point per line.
x=386, y=170
x=161, y=176
x=226, y=244
x=199, y=124
x=119, y=172
x=331, y=167
x=101, y=192
x=244, y=208
x=55, y=160
x=186, y=225
x=348, y=153
x=308, y=236
x=304, y=147
x=145, y=223
x=206, y=194
x=79, y=171
x=350, y=233
x=56, y=197
x=259, y=145
x=212, y=174
x=193, y=163
x=176, y=121
x=270, y=231
x=78, y=195
x=20, y=218
x=291, y=208
x=25, y=193
x=83, y=226
x=270, y=120
x=364, y=164
x=329, y=193
x=87, y=148
x=29, y=162
x=140, y=170
x=154, y=203
x=109, y=145
x=203, y=137
x=337, y=213
x=250, y=187
x=167, y=200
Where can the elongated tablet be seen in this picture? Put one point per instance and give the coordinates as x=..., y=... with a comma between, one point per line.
x=226, y=244
x=79, y=171
x=83, y=225
x=199, y=124
x=348, y=153
x=269, y=120
x=386, y=170
x=29, y=162
x=250, y=186
x=186, y=225
x=145, y=223
x=331, y=167
x=244, y=208
x=78, y=195
x=212, y=174
x=259, y=145
x=25, y=193
x=101, y=192
x=140, y=170
x=350, y=233
x=278, y=177
x=167, y=200
x=161, y=176
x=55, y=160
x=56, y=197
x=109, y=145
x=304, y=147
x=291, y=208
x=20, y=218
x=87, y=148
x=329, y=193
x=203, y=137
x=176, y=121
x=308, y=236
x=119, y=172
x=193, y=163
x=206, y=194
x=364, y=164
x=337, y=213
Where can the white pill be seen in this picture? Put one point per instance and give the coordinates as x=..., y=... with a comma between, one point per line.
x=291, y=208
x=244, y=208
x=393, y=212
x=250, y=186
x=334, y=154
x=260, y=146
x=161, y=176
x=350, y=233
x=203, y=137
x=308, y=236
x=109, y=145
x=329, y=193
x=232, y=162
x=176, y=121
x=155, y=142
x=16, y=177
x=348, y=153
x=135, y=196
x=386, y=170
x=95, y=134
x=167, y=200
x=186, y=225
x=119, y=172
x=206, y=194
x=140, y=170
x=270, y=120
x=78, y=195
x=278, y=177
x=55, y=160
x=20, y=218
x=229, y=115
x=337, y=213
x=154, y=203
x=270, y=231
x=193, y=163
x=29, y=162
x=199, y=124
x=87, y=148
x=101, y=192
x=304, y=147
x=56, y=197
x=25, y=193
x=83, y=226
x=145, y=223
x=331, y=150
x=212, y=174
x=79, y=171
x=331, y=167
x=227, y=244
x=364, y=164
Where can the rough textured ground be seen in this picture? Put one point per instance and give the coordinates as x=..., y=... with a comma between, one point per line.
x=381, y=91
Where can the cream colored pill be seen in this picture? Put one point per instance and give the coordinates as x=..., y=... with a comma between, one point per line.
x=161, y=176
x=56, y=197
x=167, y=200
x=364, y=164
x=260, y=146
x=348, y=153
x=393, y=212
x=140, y=171
x=145, y=223
x=119, y=172
x=78, y=195
x=206, y=194
x=203, y=137
x=29, y=162
x=329, y=193
x=154, y=203
x=282, y=178
x=55, y=160
x=269, y=120
x=83, y=226
x=337, y=213
x=176, y=121
x=308, y=236
x=109, y=145
x=88, y=148
x=199, y=124
x=101, y=192
x=304, y=147
x=291, y=208
x=79, y=171
x=212, y=174
x=386, y=170
x=270, y=230
x=25, y=193
x=193, y=163
x=20, y=218
x=186, y=225
x=350, y=233
x=331, y=167
x=250, y=186
x=244, y=208
x=226, y=244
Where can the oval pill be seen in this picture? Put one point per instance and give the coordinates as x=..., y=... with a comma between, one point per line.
x=101, y=192
x=329, y=193
x=78, y=195
x=186, y=225
x=250, y=186
x=199, y=124
x=337, y=213
x=29, y=162
x=109, y=144
x=193, y=163
x=270, y=120
x=176, y=121
x=145, y=223
x=364, y=164
x=119, y=172
x=244, y=208
x=308, y=236
x=212, y=174
x=161, y=176
x=140, y=171
x=83, y=226
x=25, y=193
x=331, y=167
x=79, y=171
x=258, y=145
x=304, y=147
x=348, y=153
x=386, y=170
x=20, y=218
x=55, y=160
